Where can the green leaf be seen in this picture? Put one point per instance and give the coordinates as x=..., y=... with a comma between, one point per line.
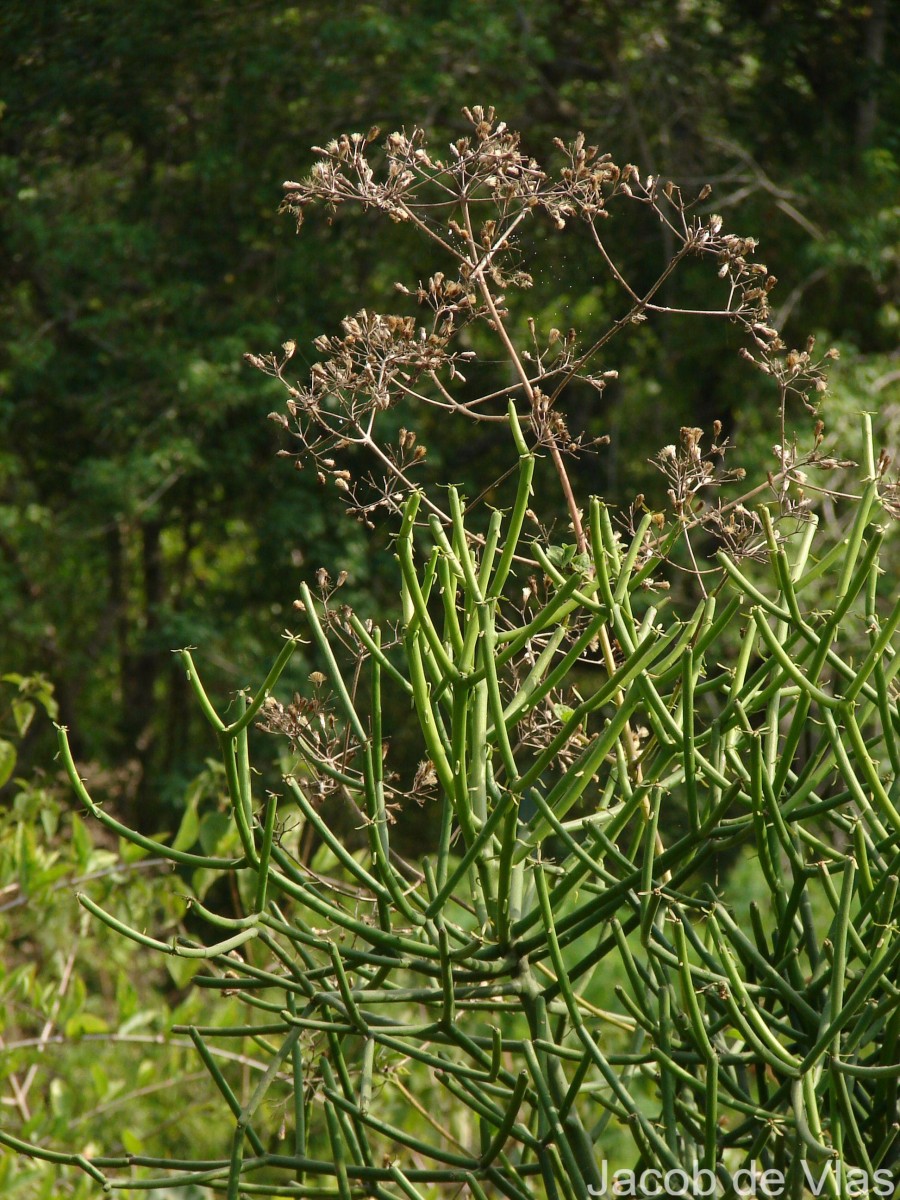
x=130, y=853
x=81, y=841
x=101, y=1080
x=202, y=880
x=146, y=1072
x=131, y=1142
x=182, y=970
x=23, y=714
x=85, y=1022
x=563, y=711
x=214, y=829
x=560, y=556
x=7, y=760
x=25, y=855
x=49, y=820
x=140, y=1020
x=187, y=830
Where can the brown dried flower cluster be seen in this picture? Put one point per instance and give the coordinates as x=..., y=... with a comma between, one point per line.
x=471, y=204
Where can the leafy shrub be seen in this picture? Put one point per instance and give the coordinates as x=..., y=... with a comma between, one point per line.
x=87, y=1059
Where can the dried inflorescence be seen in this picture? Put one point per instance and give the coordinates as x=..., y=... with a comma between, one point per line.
x=312, y=730
x=471, y=204
x=689, y=470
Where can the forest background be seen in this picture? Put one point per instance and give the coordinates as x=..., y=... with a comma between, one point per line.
x=142, y=505
x=142, y=150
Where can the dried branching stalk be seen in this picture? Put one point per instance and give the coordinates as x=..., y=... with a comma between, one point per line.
x=471, y=205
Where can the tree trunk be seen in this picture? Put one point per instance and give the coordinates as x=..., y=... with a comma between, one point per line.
x=867, y=109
